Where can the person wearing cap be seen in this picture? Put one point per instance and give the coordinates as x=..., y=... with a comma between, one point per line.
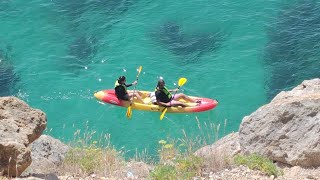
x=120, y=88
x=165, y=98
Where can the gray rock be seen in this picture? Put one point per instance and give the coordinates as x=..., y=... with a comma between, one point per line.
x=219, y=155
x=47, y=154
x=288, y=128
x=229, y=145
x=20, y=125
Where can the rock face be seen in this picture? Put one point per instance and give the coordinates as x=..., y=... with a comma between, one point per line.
x=219, y=154
x=47, y=154
x=20, y=125
x=229, y=145
x=288, y=128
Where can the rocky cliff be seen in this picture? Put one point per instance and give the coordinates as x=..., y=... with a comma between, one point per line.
x=20, y=125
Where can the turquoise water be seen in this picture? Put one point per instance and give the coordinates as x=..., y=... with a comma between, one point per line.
x=62, y=52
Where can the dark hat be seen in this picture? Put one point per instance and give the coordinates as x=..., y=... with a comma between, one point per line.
x=161, y=81
x=121, y=78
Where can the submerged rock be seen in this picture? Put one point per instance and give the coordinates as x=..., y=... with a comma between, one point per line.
x=83, y=48
x=291, y=53
x=80, y=52
x=8, y=76
x=172, y=37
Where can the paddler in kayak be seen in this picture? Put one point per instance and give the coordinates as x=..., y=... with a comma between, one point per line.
x=165, y=98
x=120, y=88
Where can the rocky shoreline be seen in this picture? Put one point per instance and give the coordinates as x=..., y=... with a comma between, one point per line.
x=286, y=131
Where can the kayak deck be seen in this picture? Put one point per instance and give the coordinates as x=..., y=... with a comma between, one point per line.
x=148, y=97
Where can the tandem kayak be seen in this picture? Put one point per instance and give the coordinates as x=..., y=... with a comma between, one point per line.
x=108, y=96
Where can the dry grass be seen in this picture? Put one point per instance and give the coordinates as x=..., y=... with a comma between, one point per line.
x=91, y=155
x=88, y=156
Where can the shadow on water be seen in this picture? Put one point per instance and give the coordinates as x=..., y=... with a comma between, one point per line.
x=8, y=77
x=172, y=37
x=293, y=48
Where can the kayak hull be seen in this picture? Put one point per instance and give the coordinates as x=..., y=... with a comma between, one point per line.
x=108, y=96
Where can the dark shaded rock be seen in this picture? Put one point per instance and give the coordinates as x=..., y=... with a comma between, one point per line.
x=287, y=129
x=20, y=125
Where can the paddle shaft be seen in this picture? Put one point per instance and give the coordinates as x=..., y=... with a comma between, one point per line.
x=134, y=88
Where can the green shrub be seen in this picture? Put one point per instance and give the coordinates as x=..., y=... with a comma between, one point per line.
x=88, y=159
x=257, y=162
x=164, y=172
x=189, y=166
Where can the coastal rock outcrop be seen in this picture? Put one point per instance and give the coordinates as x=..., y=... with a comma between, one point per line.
x=20, y=125
x=287, y=129
x=47, y=154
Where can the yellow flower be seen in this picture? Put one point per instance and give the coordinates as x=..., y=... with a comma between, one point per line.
x=168, y=146
x=162, y=142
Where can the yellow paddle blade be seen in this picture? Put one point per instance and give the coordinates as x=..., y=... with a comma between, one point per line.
x=129, y=112
x=163, y=112
x=139, y=71
x=182, y=81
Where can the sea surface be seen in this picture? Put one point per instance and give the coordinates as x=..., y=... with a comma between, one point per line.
x=54, y=54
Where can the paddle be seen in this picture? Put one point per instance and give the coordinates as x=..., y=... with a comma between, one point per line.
x=129, y=110
x=181, y=82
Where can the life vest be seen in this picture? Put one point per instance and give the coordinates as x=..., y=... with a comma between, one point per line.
x=116, y=84
x=165, y=91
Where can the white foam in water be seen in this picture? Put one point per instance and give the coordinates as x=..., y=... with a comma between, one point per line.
x=99, y=79
x=124, y=70
x=101, y=103
x=85, y=67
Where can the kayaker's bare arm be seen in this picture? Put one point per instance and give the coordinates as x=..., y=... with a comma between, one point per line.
x=173, y=90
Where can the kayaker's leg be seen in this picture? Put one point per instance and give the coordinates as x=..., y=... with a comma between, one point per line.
x=137, y=94
x=177, y=103
x=187, y=98
x=183, y=96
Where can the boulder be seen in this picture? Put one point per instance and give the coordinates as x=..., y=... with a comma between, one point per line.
x=47, y=154
x=20, y=125
x=287, y=129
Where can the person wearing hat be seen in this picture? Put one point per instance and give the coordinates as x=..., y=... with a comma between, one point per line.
x=120, y=88
x=165, y=98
